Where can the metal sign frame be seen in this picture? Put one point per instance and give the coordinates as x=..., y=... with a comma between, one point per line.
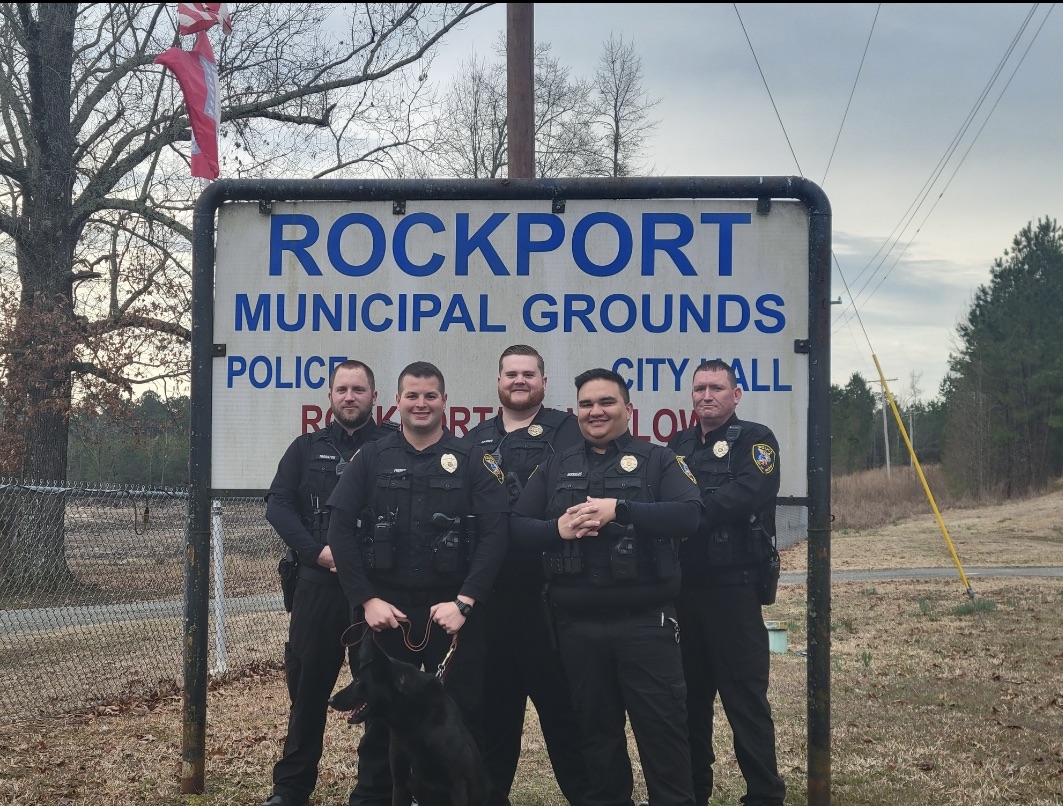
x=762, y=190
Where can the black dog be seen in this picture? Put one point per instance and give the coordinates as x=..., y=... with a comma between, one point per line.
x=433, y=756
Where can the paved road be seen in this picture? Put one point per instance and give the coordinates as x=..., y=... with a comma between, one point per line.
x=48, y=619
x=799, y=577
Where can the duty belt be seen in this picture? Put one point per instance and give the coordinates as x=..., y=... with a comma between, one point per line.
x=318, y=575
x=419, y=597
x=724, y=577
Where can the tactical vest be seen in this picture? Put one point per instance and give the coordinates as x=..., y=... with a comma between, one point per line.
x=320, y=460
x=729, y=544
x=520, y=452
x=409, y=498
x=595, y=558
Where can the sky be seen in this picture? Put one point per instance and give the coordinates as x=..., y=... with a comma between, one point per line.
x=927, y=188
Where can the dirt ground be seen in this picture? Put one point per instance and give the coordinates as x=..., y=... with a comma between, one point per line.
x=1025, y=533
x=933, y=698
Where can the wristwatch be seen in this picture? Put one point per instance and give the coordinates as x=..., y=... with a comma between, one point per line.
x=623, y=512
x=463, y=607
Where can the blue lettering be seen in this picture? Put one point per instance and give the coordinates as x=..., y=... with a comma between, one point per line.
x=726, y=221
x=378, y=243
x=333, y=362
x=299, y=247
x=579, y=245
x=402, y=260
x=318, y=381
x=382, y=325
x=467, y=243
x=778, y=317
x=237, y=367
x=579, y=306
x=758, y=387
x=673, y=247
x=485, y=325
x=252, y=318
x=425, y=306
x=723, y=303
x=624, y=362
x=300, y=320
x=547, y=320
x=458, y=314
x=740, y=374
x=627, y=304
x=526, y=244
x=688, y=310
x=281, y=384
x=260, y=362
x=777, y=384
x=647, y=311
x=334, y=315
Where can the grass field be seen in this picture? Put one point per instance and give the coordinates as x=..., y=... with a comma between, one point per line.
x=935, y=698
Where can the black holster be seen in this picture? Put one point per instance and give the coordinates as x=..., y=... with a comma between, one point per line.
x=288, y=569
x=769, y=579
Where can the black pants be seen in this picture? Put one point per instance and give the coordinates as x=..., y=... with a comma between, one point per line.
x=725, y=651
x=313, y=656
x=629, y=667
x=521, y=664
x=463, y=681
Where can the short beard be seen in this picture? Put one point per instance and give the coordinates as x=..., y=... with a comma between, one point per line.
x=534, y=401
x=349, y=424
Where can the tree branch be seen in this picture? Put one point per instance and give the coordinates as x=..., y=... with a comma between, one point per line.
x=128, y=321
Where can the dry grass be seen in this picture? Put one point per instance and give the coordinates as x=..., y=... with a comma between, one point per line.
x=933, y=699
x=872, y=498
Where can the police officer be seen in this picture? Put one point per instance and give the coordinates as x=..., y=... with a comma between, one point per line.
x=313, y=654
x=418, y=530
x=725, y=581
x=608, y=514
x=521, y=662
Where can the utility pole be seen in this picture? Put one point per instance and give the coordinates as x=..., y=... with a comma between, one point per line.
x=885, y=427
x=520, y=89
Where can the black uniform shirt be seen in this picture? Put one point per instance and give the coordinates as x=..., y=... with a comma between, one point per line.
x=523, y=568
x=675, y=511
x=754, y=471
x=284, y=507
x=488, y=500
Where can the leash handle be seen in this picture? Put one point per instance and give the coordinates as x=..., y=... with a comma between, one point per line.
x=343, y=635
x=405, y=627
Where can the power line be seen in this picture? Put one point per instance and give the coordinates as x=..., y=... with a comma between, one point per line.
x=852, y=92
x=965, y=153
x=906, y=220
x=770, y=98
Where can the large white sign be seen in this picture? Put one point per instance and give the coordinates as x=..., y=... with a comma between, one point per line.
x=649, y=288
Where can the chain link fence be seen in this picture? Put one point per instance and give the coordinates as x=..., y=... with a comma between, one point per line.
x=91, y=594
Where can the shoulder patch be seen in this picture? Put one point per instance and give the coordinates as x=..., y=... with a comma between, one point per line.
x=764, y=456
x=492, y=465
x=685, y=468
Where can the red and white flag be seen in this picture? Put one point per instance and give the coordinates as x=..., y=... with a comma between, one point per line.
x=197, y=73
x=195, y=17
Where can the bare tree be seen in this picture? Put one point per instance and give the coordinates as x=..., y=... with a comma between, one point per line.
x=94, y=187
x=623, y=107
x=472, y=139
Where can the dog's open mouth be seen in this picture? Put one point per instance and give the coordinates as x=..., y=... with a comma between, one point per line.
x=358, y=714
x=346, y=700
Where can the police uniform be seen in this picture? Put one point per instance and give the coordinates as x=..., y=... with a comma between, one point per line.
x=522, y=663
x=390, y=482
x=725, y=642
x=313, y=654
x=612, y=595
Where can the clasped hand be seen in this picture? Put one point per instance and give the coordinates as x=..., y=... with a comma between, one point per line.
x=586, y=519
